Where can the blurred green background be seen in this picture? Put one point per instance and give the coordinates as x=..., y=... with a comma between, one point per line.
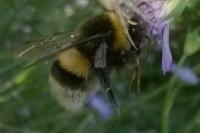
x=166, y=103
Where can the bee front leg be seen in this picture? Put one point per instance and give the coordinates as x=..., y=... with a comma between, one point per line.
x=101, y=67
x=135, y=78
x=105, y=81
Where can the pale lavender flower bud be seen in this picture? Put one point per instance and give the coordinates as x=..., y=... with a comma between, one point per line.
x=186, y=75
x=166, y=53
x=101, y=106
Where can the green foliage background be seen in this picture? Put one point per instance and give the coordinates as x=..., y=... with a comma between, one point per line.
x=166, y=104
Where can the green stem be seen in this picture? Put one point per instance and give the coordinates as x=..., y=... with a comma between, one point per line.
x=169, y=99
x=145, y=98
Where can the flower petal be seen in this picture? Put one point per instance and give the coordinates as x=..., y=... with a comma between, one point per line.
x=99, y=104
x=186, y=75
x=166, y=53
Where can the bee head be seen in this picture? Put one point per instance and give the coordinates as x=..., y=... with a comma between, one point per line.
x=136, y=32
x=135, y=26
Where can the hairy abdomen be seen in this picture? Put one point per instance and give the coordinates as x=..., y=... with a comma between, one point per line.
x=69, y=79
x=68, y=98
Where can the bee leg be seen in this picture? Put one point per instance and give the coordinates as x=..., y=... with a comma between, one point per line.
x=132, y=79
x=105, y=81
x=138, y=76
x=135, y=77
x=101, y=65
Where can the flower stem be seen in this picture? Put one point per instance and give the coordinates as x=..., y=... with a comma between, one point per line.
x=169, y=99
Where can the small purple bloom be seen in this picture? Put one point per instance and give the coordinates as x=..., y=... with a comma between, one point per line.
x=159, y=28
x=101, y=106
x=166, y=53
x=150, y=14
x=186, y=75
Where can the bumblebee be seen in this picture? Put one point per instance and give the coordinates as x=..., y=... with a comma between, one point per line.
x=103, y=43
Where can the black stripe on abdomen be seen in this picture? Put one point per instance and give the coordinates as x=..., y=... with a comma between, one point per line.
x=66, y=78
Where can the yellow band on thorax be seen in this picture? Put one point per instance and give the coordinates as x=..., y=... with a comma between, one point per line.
x=73, y=61
x=120, y=40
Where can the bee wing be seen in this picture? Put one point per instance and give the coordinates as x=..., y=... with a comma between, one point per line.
x=145, y=51
x=140, y=63
x=41, y=48
x=49, y=46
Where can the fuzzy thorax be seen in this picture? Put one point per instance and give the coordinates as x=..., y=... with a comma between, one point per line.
x=73, y=61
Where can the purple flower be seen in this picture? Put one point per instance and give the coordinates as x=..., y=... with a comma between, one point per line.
x=151, y=17
x=166, y=53
x=156, y=26
x=186, y=75
x=101, y=106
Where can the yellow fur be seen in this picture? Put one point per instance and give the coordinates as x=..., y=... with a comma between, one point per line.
x=73, y=61
x=120, y=41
